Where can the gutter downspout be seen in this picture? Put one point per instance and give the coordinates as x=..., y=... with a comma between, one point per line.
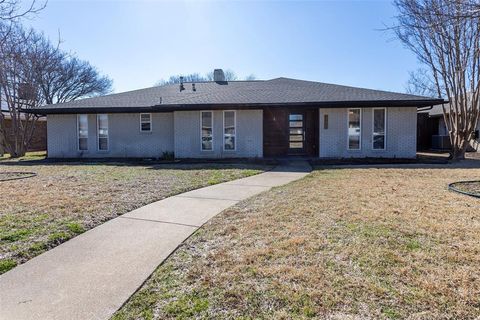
x=424, y=109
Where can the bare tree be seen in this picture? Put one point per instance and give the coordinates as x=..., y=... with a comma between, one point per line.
x=197, y=77
x=192, y=77
x=17, y=91
x=445, y=36
x=70, y=79
x=33, y=72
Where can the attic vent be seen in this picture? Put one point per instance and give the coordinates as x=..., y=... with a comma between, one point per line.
x=218, y=75
x=193, y=87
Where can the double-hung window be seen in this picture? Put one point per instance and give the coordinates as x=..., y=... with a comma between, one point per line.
x=379, y=128
x=229, y=130
x=206, y=134
x=354, y=129
x=145, y=122
x=102, y=132
x=82, y=127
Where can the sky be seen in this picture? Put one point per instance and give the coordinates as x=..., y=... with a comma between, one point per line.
x=137, y=43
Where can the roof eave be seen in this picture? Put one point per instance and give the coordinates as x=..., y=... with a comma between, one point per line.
x=188, y=107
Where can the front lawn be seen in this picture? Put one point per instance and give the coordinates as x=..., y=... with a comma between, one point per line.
x=339, y=244
x=65, y=199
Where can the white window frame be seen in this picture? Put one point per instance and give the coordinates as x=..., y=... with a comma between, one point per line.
x=98, y=133
x=78, y=132
x=201, y=133
x=235, y=127
x=384, y=128
x=141, y=122
x=348, y=127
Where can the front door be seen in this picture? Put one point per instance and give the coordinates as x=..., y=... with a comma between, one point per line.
x=296, y=133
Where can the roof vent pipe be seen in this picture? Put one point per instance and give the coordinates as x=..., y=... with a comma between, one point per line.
x=218, y=75
x=182, y=87
x=193, y=87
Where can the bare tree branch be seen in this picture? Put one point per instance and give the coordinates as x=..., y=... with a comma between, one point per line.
x=12, y=11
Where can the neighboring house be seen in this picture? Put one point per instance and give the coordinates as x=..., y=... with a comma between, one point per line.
x=231, y=119
x=433, y=133
x=39, y=139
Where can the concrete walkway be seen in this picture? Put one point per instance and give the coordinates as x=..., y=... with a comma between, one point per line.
x=92, y=275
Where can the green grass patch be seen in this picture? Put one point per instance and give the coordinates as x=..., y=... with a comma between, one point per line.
x=58, y=237
x=29, y=156
x=7, y=264
x=187, y=307
x=391, y=313
x=75, y=227
x=37, y=247
x=16, y=235
x=413, y=245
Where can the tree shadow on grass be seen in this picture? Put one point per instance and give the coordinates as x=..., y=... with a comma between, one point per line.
x=153, y=164
x=464, y=164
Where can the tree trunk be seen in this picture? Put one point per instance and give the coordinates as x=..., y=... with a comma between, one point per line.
x=457, y=152
x=17, y=152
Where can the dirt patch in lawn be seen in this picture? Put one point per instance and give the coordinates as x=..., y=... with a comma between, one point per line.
x=64, y=200
x=340, y=243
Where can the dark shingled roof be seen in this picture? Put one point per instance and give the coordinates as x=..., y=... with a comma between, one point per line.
x=239, y=94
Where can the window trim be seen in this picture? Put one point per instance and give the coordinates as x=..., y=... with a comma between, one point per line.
x=201, y=133
x=384, y=128
x=150, y=121
x=235, y=127
x=78, y=132
x=98, y=133
x=348, y=127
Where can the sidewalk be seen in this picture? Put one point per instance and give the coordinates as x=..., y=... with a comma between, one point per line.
x=92, y=275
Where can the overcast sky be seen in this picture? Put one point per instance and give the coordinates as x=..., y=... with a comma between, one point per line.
x=138, y=43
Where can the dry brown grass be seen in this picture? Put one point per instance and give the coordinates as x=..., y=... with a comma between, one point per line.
x=66, y=199
x=339, y=244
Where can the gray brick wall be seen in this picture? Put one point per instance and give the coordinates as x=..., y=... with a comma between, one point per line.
x=400, y=139
x=180, y=132
x=249, y=135
x=125, y=138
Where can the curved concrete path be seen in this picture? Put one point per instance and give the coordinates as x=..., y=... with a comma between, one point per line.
x=92, y=275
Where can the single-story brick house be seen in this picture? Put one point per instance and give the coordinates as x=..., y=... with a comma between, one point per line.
x=237, y=119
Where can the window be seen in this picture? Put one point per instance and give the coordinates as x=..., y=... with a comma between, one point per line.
x=354, y=129
x=145, y=122
x=325, y=121
x=229, y=130
x=206, y=119
x=82, y=127
x=102, y=132
x=379, y=125
x=296, y=132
